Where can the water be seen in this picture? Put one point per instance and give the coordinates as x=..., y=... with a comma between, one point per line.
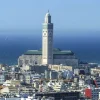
x=86, y=45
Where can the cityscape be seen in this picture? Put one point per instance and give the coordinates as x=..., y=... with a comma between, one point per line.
x=49, y=73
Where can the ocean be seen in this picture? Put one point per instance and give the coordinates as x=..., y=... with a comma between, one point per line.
x=85, y=44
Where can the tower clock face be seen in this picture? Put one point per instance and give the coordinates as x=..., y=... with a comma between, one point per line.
x=44, y=34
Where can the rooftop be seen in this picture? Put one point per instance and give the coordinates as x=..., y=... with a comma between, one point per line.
x=56, y=51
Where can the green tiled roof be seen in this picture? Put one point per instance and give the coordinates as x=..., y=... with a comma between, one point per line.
x=65, y=52
x=55, y=52
x=33, y=52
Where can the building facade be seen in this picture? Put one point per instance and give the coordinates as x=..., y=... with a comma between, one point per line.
x=2, y=78
x=47, y=40
x=48, y=55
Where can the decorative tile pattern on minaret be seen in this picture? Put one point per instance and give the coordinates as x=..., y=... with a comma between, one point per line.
x=47, y=40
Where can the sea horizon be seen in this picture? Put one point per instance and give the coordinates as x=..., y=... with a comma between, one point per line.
x=85, y=44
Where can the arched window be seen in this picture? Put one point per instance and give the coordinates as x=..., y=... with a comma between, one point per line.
x=35, y=62
x=26, y=62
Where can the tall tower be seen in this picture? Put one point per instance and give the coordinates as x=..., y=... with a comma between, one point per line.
x=47, y=40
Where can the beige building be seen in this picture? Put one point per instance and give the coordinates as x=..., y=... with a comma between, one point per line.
x=60, y=67
x=48, y=55
x=4, y=90
x=11, y=83
x=95, y=71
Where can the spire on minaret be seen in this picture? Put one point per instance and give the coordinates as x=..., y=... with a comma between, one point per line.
x=48, y=17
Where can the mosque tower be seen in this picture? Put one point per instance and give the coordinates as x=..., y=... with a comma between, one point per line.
x=47, y=40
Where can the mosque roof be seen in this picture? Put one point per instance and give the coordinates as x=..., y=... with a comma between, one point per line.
x=56, y=51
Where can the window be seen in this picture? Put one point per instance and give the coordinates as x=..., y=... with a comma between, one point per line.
x=30, y=60
x=35, y=62
x=20, y=62
x=49, y=42
x=26, y=61
x=49, y=56
x=50, y=33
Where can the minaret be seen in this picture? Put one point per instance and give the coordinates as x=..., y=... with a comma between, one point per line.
x=47, y=40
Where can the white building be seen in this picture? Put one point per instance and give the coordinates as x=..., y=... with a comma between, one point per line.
x=96, y=94
x=48, y=55
x=2, y=78
x=81, y=83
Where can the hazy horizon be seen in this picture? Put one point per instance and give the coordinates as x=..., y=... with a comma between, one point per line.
x=76, y=27
x=86, y=47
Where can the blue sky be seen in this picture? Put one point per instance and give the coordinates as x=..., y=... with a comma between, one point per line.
x=66, y=14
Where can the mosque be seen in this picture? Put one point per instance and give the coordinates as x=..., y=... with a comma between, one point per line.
x=48, y=55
